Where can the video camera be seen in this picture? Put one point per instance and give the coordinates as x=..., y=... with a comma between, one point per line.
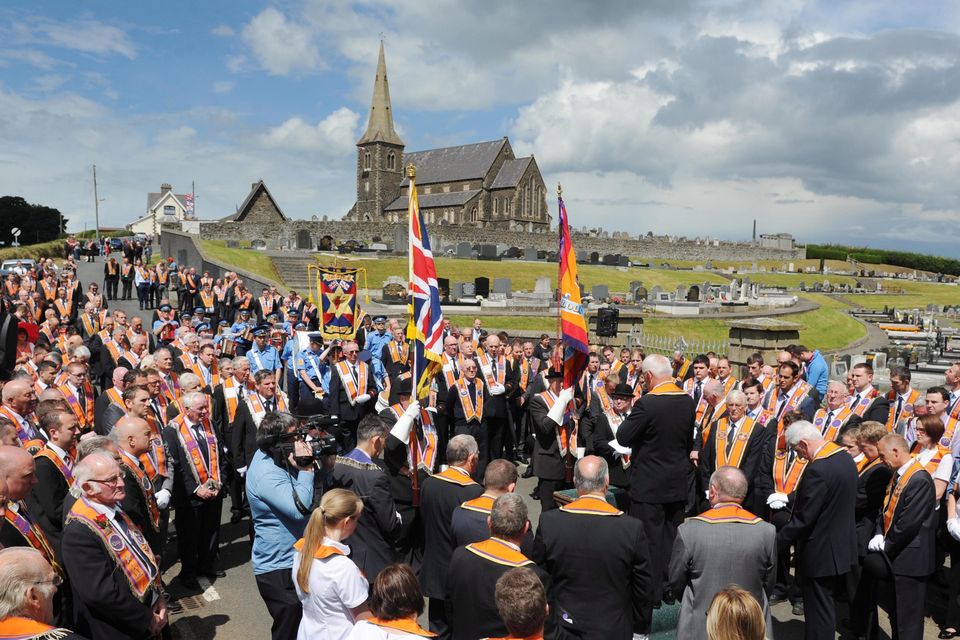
x=323, y=445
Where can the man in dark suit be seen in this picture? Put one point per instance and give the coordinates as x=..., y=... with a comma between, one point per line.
x=112, y=598
x=476, y=567
x=874, y=476
x=598, y=561
x=903, y=549
x=133, y=440
x=197, y=489
x=500, y=384
x=441, y=494
x=469, y=521
x=352, y=386
x=607, y=423
x=659, y=431
x=866, y=401
x=362, y=471
x=822, y=524
x=17, y=473
x=468, y=404
x=251, y=407
x=553, y=427
x=53, y=465
x=738, y=441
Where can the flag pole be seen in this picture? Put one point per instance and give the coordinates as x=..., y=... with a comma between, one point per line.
x=413, y=441
x=559, y=267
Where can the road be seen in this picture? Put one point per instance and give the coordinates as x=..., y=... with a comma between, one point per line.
x=232, y=607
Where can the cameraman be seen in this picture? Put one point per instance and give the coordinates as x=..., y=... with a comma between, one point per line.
x=279, y=490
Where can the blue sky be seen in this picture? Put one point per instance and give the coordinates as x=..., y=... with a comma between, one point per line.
x=832, y=121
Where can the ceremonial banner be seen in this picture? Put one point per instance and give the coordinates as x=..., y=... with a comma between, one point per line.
x=426, y=325
x=573, y=326
x=338, y=302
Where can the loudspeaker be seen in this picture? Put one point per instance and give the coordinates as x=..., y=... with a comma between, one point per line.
x=608, y=320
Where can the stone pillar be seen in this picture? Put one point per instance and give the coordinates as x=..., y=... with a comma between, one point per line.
x=768, y=336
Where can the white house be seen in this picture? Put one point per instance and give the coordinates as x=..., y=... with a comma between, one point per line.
x=165, y=206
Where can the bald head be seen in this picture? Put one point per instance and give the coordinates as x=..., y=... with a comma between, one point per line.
x=591, y=475
x=17, y=472
x=132, y=435
x=19, y=395
x=117, y=378
x=713, y=391
x=728, y=484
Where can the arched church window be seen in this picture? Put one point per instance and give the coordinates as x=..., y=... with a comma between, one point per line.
x=367, y=161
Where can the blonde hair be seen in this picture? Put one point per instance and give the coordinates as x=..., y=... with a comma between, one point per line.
x=735, y=614
x=335, y=506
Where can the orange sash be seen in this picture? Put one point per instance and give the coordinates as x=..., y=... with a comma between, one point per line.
x=483, y=504
x=405, y=625
x=399, y=355
x=865, y=403
x=448, y=372
x=266, y=306
x=90, y=326
x=615, y=420
x=590, y=505
x=735, y=458
x=84, y=418
x=206, y=297
x=63, y=308
x=486, y=365
x=154, y=461
x=727, y=512
x=26, y=441
x=566, y=437
x=140, y=570
x=906, y=410
x=31, y=532
x=198, y=467
x=500, y=552
x=455, y=475
x=471, y=410
x=15, y=628
x=864, y=464
x=893, y=494
x=57, y=461
x=353, y=389
x=426, y=446
x=146, y=487
x=115, y=396
x=831, y=430
x=114, y=350
x=231, y=391
x=323, y=551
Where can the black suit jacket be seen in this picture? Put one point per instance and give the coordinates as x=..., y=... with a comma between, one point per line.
x=548, y=464
x=438, y=500
x=243, y=436
x=184, y=484
x=910, y=540
x=103, y=604
x=659, y=429
x=339, y=403
x=455, y=416
x=601, y=580
x=601, y=437
x=822, y=523
x=135, y=505
x=378, y=530
x=871, y=489
x=45, y=502
x=756, y=465
x=108, y=420
x=878, y=411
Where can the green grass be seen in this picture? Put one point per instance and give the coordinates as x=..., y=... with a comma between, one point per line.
x=915, y=295
x=52, y=249
x=247, y=259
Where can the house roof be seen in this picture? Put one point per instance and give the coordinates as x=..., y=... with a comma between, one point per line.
x=434, y=200
x=510, y=173
x=450, y=164
x=248, y=202
x=154, y=198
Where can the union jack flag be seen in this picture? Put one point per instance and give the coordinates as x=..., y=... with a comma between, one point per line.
x=426, y=327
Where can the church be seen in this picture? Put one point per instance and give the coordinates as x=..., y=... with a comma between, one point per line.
x=481, y=185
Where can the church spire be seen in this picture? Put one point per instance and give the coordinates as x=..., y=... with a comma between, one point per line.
x=380, y=125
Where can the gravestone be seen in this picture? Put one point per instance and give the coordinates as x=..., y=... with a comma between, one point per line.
x=600, y=292
x=401, y=240
x=654, y=293
x=542, y=286
x=469, y=290
x=303, y=240
x=394, y=292
x=258, y=244
x=482, y=286
x=457, y=292
x=488, y=252
x=502, y=286
x=681, y=292
x=609, y=259
x=623, y=261
x=464, y=250
x=691, y=295
x=530, y=254
x=709, y=265
x=233, y=244
x=704, y=292
x=803, y=286
x=640, y=294
x=583, y=257
x=594, y=257
x=443, y=285
x=502, y=249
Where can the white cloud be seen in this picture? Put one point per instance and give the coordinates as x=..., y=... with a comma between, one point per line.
x=224, y=86
x=223, y=31
x=49, y=82
x=89, y=36
x=33, y=57
x=335, y=135
x=281, y=46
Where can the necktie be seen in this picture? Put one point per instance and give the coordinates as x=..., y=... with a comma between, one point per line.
x=856, y=401
x=473, y=393
x=731, y=436
x=781, y=405
x=829, y=417
x=202, y=442
x=590, y=382
x=896, y=415
x=68, y=461
x=82, y=398
x=696, y=393
x=494, y=365
x=353, y=372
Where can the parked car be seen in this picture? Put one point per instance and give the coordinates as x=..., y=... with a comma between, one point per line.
x=26, y=263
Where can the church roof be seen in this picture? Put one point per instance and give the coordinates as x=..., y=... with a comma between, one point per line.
x=380, y=124
x=450, y=164
x=434, y=200
x=244, y=210
x=510, y=173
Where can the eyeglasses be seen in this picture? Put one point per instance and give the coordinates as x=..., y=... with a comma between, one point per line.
x=56, y=581
x=348, y=352
x=117, y=479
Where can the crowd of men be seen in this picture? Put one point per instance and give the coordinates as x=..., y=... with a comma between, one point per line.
x=794, y=486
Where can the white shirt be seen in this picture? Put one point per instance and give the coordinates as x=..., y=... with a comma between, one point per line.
x=366, y=631
x=336, y=586
x=943, y=468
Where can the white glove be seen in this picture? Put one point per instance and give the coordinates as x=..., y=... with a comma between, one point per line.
x=362, y=398
x=876, y=543
x=706, y=494
x=776, y=505
x=401, y=430
x=953, y=527
x=497, y=390
x=777, y=497
x=242, y=471
x=566, y=396
x=163, y=498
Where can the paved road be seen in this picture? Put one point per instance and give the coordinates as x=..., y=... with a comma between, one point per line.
x=232, y=608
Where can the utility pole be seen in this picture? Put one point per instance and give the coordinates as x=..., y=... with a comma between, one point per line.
x=193, y=197
x=96, y=204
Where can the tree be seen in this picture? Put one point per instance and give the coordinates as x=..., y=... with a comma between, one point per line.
x=37, y=223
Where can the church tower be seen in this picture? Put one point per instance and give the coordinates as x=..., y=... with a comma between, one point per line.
x=379, y=154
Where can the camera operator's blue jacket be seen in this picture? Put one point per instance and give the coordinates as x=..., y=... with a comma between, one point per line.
x=277, y=523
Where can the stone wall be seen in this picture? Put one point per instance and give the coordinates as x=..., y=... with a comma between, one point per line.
x=184, y=249
x=284, y=236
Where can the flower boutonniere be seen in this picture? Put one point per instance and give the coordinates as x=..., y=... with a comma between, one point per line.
x=102, y=521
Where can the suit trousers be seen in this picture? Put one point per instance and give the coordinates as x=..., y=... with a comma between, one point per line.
x=127, y=288
x=346, y=434
x=498, y=437
x=660, y=522
x=820, y=616
x=437, y=619
x=278, y=593
x=907, y=598
x=546, y=488
x=198, y=537
x=784, y=586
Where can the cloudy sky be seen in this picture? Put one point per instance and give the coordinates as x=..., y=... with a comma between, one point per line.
x=832, y=121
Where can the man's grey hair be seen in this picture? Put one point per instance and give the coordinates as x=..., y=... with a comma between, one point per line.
x=275, y=423
x=190, y=338
x=460, y=448
x=20, y=569
x=85, y=470
x=81, y=352
x=730, y=483
x=839, y=385
x=159, y=350
x=224, y=362
x=370, y=427
x=192, y=398
x=658, y=366
x=598, y=481
x=188, y=379
x=802, y=430
x=737, y=396
x=240, y=360
x=508, y=516
x=92, y=444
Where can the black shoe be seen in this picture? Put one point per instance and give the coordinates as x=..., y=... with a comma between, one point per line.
x=213, y=575
x=535, y=494
x=189, y=582
x=235, y=518
x=945, y=634
x=528, y=472
x=174, y=606
x=797, y=609
x=777, y=598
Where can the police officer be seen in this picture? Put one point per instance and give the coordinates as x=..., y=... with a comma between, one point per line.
x=311, y=367
x=376, y=341
x=238, y=328
x=264, y=355
x=288, y=356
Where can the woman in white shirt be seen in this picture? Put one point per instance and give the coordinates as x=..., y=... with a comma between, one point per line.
x=331, y=588
x=396, y=602
x=934, y=457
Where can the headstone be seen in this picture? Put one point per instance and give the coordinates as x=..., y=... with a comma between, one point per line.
x=681, y=292
x=600, y=292
x=394, y=292
x=744, y=290
x=488, y=252
x=709, y=264
x=469, y=290
x=594, y=257
x=543, y=285
x=655, y=293
x=233, y=244
x=704, y=292
x=879, y=361
x=803, y=286
x=530, y=254
x=258, y=244
x=464, y=250
x=502, y=286
x=790, y=267
x=457, y=292
x=623, y=261
x=640, y=294
x=582, y=257
x=482, y=286
x=610, y=259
